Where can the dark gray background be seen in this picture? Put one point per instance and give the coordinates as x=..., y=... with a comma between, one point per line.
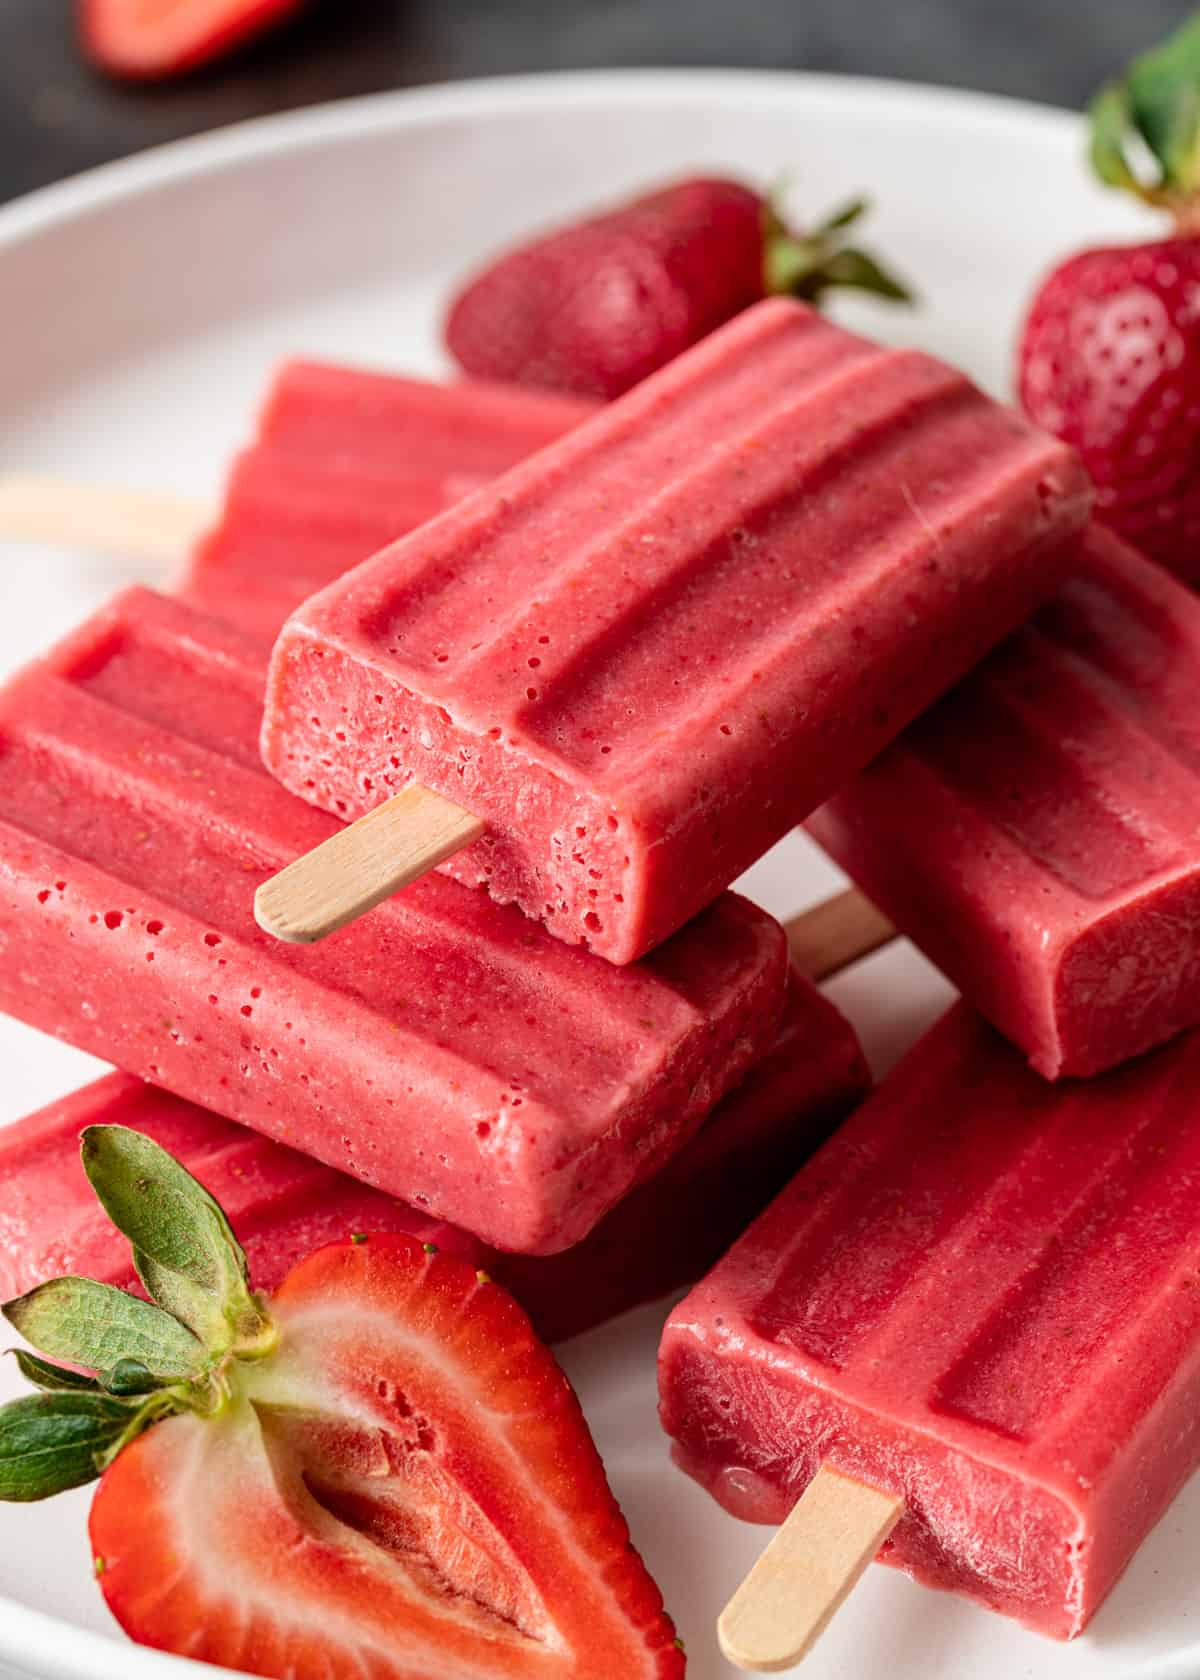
x=57, y=117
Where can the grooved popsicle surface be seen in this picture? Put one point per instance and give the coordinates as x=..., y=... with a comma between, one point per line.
x=647, y=652
x=982, y=1296
x=444, y=1049
x=1038, y=833
x=344, y=462
x=283, y=1204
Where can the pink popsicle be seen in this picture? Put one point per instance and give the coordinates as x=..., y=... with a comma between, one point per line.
x=645, y=654
x=357, y=418
x=345, y=462
x=283, y=1205
x=1038, y=833
x=448, y=1051
x=981, y=1296
x=290, y=525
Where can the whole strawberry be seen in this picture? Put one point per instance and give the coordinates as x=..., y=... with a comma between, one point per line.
x=1110, y=354
x=149, y=42
x=595, y=307
x=379, y=1472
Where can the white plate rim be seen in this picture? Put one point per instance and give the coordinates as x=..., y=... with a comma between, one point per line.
x=110, y=184
x=63, y=1648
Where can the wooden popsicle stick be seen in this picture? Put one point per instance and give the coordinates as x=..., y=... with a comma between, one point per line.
x=829, y=937
x=304, y=902
x=99, y=517
x=353, y=871
x=787, y=1600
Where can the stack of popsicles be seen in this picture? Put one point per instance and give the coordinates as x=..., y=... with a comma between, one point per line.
x=636, y=659
x=979, y=1298
x=343, y=462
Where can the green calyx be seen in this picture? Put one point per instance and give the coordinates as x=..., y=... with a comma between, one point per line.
x=175, y=1352
x=806, y=266
x=1145, y=128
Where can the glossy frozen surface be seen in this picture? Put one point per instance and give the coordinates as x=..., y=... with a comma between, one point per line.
x=983, y=1295
x=647, y=652
x=445, y=1049
x=146, y=384
x=283, y=1205
x=1038, y=833
x=346, y=460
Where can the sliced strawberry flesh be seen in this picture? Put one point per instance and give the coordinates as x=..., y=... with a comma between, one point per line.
x=407, y=1489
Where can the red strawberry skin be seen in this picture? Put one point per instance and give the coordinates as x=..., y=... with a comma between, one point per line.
x=406, y=1489
x=149, y=40
x=1110, y=361
x=596, y=307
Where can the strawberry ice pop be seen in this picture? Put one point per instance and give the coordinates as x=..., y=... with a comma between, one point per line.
x=980, y=1296
x=290, y=525
x=1038, y=833
x=355, y=417
x=346, y=461
x=645, y=654
x=283, y=1205
x=449, y=1051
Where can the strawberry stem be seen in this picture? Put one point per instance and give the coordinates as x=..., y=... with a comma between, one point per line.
x=1145, y=127
x=807, y=266
x=176, y=1353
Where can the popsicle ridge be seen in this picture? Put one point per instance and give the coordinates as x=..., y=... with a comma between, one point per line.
x=445, y=1045
x=1041, y=822
x=345, y=462
x=1016, y=1349
x=283, y=1204
x=634, y=564
x=312, y=408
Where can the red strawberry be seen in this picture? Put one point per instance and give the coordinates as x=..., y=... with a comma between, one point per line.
x=1110, y=354
x=152, y=39
x=388, y=1476
x=598, y=305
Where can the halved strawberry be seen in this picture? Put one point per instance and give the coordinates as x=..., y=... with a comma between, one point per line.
x=152, y=39
x=387, y=1476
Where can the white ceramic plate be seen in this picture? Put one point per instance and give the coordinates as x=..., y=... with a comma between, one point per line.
x=140, y=309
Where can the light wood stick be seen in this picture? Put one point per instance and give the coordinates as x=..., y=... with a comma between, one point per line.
x=786, y=1602
x=832, y=935
x=307, y=900
x=352, y=872
x=100, y=518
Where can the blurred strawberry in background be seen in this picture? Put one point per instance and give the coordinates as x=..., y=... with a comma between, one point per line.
x=149, y=40
x=1110, y=355
x=593, y=307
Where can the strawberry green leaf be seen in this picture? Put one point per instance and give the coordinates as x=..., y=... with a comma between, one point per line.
x=51, y=1442
x=1164, y=94
x=1145, y=128
x=808, y=266
x=843, y=217
x=130, y=1376
x=1111, y=123
x=183, y=1247
x=851, y=267
x=96, y=1325
x=42, y=1374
